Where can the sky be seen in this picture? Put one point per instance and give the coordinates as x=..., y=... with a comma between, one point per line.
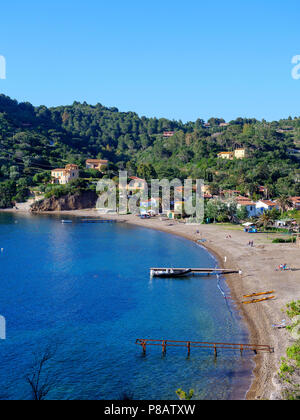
x=176, y=59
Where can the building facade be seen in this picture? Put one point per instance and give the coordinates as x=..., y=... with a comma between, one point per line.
x=65, y=175
x=262, y=206
x=97, y=164
x=240, y=153
x=226, y=155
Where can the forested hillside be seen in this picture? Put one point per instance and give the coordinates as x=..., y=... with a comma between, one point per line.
x=35, y=139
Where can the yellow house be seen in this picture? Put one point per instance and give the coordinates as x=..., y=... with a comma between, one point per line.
x=240, y=153
x=226, y=155
x=237, y=154
x=206, y=189
x=64, y=176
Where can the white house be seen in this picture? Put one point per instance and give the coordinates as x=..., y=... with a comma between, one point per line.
x=262, y=206
x=248, y=204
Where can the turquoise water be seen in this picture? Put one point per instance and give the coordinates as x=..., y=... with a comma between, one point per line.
x=85, y=288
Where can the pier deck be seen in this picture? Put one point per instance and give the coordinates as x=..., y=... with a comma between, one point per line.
x=197, y=344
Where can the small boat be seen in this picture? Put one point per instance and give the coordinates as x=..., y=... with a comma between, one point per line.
x=259, y=294
x=66, y=221
x=258, y=300
x=168, y=273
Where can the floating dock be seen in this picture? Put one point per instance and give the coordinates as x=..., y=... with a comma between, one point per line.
x=181, y=272
x=98, y=221
x=90, y=221
x=197, y=344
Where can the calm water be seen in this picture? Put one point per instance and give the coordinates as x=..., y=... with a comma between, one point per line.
x=85, y=288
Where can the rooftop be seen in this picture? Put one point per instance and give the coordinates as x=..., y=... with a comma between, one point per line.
x=96, y=161
x=268, y=202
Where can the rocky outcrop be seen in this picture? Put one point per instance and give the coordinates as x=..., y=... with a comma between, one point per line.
x=77, y=201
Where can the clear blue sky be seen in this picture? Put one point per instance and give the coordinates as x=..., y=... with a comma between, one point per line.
x=176, y=59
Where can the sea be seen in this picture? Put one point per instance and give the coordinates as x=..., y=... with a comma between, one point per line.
x=77, y=296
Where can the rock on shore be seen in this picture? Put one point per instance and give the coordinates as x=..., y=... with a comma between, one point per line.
x=77, y=201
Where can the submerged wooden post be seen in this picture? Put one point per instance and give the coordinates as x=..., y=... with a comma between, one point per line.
x=164, y=348
x=189, y=348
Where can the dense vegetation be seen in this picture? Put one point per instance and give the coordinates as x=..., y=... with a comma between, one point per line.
x=290, y=366
x=35, y=139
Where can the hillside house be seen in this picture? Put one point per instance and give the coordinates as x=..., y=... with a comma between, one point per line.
x=168, y=134
x=226, y=155
x=236, y=154
x=262, y=206
x=248, y=204
x=295, y=203
x=229, y=193
x=97, y=164
x=240, y=153
x=65, y=175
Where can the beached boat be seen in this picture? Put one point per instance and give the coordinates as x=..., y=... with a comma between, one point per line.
x=258, y=300
x=259, y=294
x=167, y=273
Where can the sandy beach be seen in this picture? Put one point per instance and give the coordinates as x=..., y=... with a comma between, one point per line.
x=258, y=265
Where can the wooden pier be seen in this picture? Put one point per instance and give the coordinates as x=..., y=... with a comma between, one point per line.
x=256, y=348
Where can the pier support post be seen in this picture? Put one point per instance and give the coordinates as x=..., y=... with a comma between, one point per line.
x=216, y=351
x=241, y=349
x=144, y=348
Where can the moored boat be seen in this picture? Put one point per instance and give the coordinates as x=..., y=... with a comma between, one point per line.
x=168, y=273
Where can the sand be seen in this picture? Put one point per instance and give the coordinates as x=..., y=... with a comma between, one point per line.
x=258, y=265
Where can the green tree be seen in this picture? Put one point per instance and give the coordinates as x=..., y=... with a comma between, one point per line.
x=284, y=202
x=242, y=213
x=182, y=395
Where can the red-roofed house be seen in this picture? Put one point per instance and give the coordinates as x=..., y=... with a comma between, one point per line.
x=65, y=175
x=262, y=206
x=296, y=202
x=137, y=184
x=248, y=204
x=169, y=133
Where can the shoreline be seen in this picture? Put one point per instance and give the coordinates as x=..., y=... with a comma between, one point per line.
x=258, y=275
